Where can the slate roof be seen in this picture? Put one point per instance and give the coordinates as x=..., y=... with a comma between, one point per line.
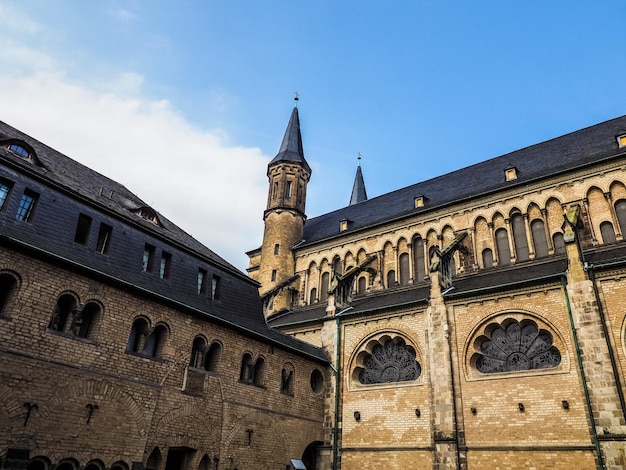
x=68, y=187
x=575, y=150
x=358, y=189
x=291, y=149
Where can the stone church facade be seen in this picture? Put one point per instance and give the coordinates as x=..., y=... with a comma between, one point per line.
x=474, y=320
x=126, y=344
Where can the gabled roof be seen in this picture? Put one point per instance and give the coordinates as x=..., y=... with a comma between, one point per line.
x=85, y=187
x=358, y=189
x=291, y=149
x=562, y=154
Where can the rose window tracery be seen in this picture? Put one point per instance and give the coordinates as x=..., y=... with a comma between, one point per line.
x=514, y=347
x=391, y=361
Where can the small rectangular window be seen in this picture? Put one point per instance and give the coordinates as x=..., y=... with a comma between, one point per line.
x=273, y=275
x=27, y=203
x=419, y=201
x=4, y=193
x=276, y=249
x=343, y=225
x=215, y=287
x=288, y=190
x=104, y=238
x=83, y=228
x=621, y=140
x=164, y=268
x=202, y=281
x=147, y=264
x=510, y=174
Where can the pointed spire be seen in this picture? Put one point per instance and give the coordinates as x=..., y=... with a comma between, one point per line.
x=358, y=190
x=291, y=148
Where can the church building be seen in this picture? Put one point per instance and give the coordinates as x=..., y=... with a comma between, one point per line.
x=474, y=320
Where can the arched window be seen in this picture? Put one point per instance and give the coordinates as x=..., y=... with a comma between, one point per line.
x=286, y=380
x=259, y=372
x=514, y=346
x=608, y=234
x=316, y=381
x=337, y=265
x=205, y=463
x=119, y=466
x=138, y=336
x=487, y=258
x=559, y=243
x=313, y=296
x=155, y=341
x=391, y=360
x=419, y=264
x=94, y=465
x=404, y=269
x=246, y=374
x=538, y=231
x=325, y=284
x=362, y=285
x=391, y=278
x=620, y=211
x=83, y=321
x=8, y=291
x=64, y=312
x=502, y=244
x=519, y=237
x=38, y=463
x=212, y=357
x=198, y=350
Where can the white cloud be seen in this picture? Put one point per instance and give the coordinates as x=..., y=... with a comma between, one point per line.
x=214, y=191
x=12, y=20
x=122, y=14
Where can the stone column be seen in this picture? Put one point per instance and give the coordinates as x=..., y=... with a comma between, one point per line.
x=443, y=414
x=607, y=414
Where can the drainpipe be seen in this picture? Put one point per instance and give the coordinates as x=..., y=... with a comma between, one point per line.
x=594, y=434
x=337, y=370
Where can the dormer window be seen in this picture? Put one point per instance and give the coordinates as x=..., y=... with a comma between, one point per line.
x=147, y=214
x=343, y=225
x=510, y=173
x=20, y=149
x=419, y=201
x=621, y=140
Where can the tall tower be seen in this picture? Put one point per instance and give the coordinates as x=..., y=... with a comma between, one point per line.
x=284, y=218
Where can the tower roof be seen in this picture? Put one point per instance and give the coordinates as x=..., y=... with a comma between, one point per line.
x=291, y=148
x=358, y=190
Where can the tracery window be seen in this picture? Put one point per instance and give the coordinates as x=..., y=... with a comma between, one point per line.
x=389, y=361
x=515, y=346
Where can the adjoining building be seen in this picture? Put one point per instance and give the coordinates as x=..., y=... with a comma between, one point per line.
x=127, y=344
x=475, y=320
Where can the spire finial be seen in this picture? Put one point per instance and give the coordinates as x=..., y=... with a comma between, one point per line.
x=296, y=98
x=359, y=158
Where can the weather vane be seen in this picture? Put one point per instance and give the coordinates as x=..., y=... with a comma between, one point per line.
x=359, y=158
x=296, y=97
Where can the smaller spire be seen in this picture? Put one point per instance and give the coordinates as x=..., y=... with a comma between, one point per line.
x=358, y=190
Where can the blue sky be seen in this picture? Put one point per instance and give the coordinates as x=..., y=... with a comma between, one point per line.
x=186, y=102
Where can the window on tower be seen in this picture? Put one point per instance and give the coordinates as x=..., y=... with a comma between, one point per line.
x=288, y=190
